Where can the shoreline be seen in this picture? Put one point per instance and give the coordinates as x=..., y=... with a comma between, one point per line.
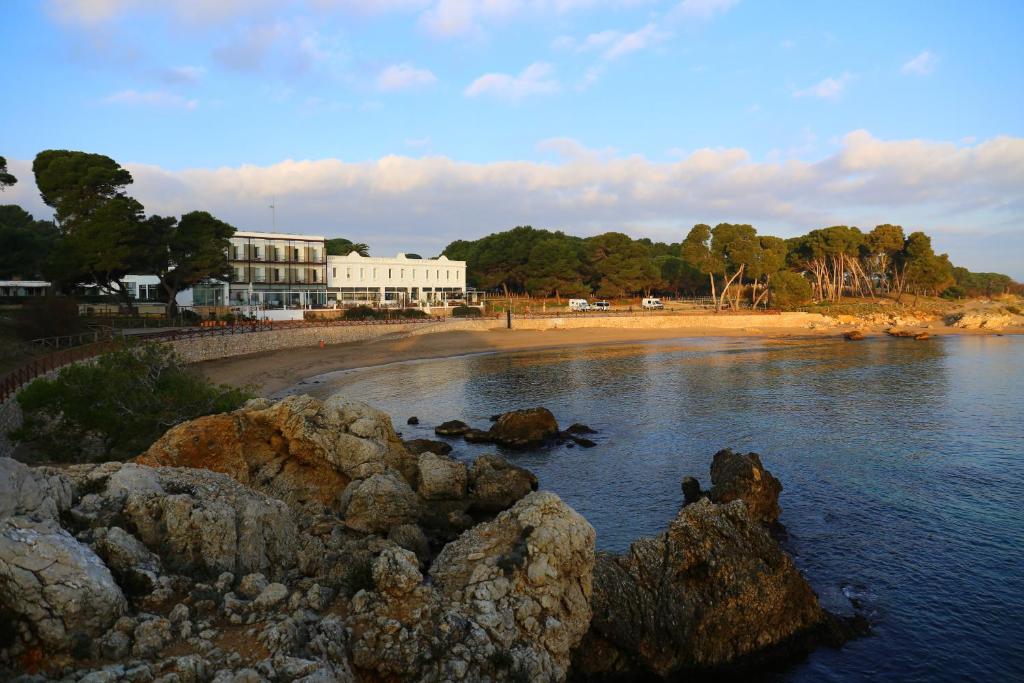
x=271, y=372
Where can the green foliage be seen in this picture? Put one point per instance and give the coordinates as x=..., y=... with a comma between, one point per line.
x=789, y=290
x=6, y=179
x=117, y=406
x=339, y=246
x=466, y=312
x=187, y=252
x=360, y=313
x=620, y=266
x=76, y=184
x=555, y=268
x=27, y=243
x=982, y=284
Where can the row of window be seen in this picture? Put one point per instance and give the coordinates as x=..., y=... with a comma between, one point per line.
x=349, y=270
x=274, y=253
x=277, y=275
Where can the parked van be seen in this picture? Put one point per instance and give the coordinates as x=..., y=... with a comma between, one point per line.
x=578, y=305
x=600, y=306
x=652, y=303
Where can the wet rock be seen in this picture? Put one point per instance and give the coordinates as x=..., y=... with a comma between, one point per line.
x=711, y=592
x=418, y=446
x=55, y=585
x=577, y=428
x=581, y=441
x=922, y=336
x=524, y=428
x=495, y=483
x=854, y=335
x=452, y=428
x=735, y=476
x=691, y=490
x=413, y=420
x=441, y=477
x=298, y=449
x=378, y=503
x=478, y=436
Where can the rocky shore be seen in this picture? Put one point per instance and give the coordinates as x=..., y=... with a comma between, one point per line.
x=302, y=540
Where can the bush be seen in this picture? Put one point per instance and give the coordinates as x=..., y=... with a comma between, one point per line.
x=361, y=312
x=954, y=292
x=466, y=312
x=1013, y=309
x=789, y=289
x=117, y=406
x=412, y=313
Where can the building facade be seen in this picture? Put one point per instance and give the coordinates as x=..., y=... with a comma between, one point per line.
x=394, y=281
x=276, y=270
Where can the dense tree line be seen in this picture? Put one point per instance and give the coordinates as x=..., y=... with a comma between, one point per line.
x=730, y=262
x=100, y=234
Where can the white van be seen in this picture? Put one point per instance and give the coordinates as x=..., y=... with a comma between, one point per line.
x=652, y=303
x=578, y=305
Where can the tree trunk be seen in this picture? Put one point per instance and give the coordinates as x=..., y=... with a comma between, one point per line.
x=725, y=289
x=172, y=299
x=714, y=297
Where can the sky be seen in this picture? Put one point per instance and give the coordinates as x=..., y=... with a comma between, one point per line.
x=406, y=124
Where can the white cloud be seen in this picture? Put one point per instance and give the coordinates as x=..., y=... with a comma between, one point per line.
x=536, y=79
x=151, y=98
x=920, y=65
x=703, y=10
x=182, y=75
x=400, y=203
x=404, y=77
x=613, y=44
x=830, y=88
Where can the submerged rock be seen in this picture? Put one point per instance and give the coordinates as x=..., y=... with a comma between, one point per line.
x=524, y=428
x=854, y=335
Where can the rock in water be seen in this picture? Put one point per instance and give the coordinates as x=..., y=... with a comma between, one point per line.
x=524, y=428
x=691, y=490
x=495, y=484
x=418, y=446
x=413, y=420
x=854, y=335
x=735, y=476
x=452, y=428
x=711, y=592
x=298, y=449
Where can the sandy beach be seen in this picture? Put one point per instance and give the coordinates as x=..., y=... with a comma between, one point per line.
x=273, y=371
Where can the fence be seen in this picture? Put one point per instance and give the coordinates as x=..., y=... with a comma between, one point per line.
x=13, y=381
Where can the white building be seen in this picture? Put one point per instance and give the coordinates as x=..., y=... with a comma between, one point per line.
x=394, y=281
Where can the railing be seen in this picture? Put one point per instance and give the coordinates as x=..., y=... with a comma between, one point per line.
x=69, y=340
x=10, y=384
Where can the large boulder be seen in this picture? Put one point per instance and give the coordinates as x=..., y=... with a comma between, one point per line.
x=379, y=503
x=441, y=477
x=524, y=428
x=495, y=484
x=418, y=446
x=735, y=476
x=508, y=600
x=32, y=492
x=55, y=585
x=711, y=592
x=300, y=450
x=197, y=521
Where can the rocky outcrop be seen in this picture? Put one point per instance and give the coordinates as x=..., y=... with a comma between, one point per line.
x=298, y=450
x=735, y=476
x=495, y=483
x=712, y=591
x=441, y=477
x=984, y=321
x=418, y=446
x=524, y=428
x=452, y=428
x=378, y=503
x=508, y=600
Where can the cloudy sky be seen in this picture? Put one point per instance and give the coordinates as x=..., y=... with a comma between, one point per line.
x=409, y=123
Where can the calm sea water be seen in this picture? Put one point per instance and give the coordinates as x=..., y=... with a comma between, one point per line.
x=902, y=462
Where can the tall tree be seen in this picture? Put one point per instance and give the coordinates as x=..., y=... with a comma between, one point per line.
x=6, y=179
x=76, y=184
x=188, y=251
x=27, y=243
x=339, y=246
x=772, y=261
x=883, y=244
x=737, y=248
x=696, y=251
x=555, y=268
x=621, y=266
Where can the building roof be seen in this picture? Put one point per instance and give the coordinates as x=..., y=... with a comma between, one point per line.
x=256, y=234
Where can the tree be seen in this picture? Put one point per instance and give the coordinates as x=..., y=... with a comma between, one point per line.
x=696, y=251
x=188, y=251
x=620, y=265
x=923, y=270
x=339, y=246
x=883, y=244
x=772, y=261
x=6, y=179
x=832, y=256
x=27, y=243
x=737, y=248
x=555, y=268
x=76, y=184
x=790, y=289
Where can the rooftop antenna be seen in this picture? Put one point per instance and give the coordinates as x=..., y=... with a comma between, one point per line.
x=273, y=213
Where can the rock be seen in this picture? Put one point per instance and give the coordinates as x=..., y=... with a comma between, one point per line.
x=418, y=446
x=922, y=336
x=378, y=503
x=577, y=428
x=151, y=636
x=411, y=537
x=451, y=428
x=495, y=484
x=508, y=600
x=441, y=477
x=854, y=335
x=896, y=332
x=735, y=476
x=581, y=441
x=524, y=428
x=115, y=645
x=30, y=492
x=413, y=420
x=710, y=592
x=252, y=585
x=136, y=569
x=271, y=597
x=55, y=585
x=478, y=436
x=691, y=490
x=298, y=449
x=983, y=320
x=197, y=521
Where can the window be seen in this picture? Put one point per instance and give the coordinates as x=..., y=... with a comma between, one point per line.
x=334, y=272
x=447, y=275
x=277, y=274
x=256, y=253
x=295, y=253
x=314, y=273
x=401, y=274
x=374, y=273
x=360, y=273
x=389, y=273
x=234, y=252
x=348, y=273
x=428, y=273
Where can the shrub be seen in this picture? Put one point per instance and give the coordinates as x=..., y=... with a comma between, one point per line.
x=412, y=313
x=115, y=407
x=466, y=312
x=789, y=289
x=954, y=292
x=361, y=312
x=1013, y=309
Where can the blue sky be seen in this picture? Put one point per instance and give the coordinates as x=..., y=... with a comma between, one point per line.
x=407, y=123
